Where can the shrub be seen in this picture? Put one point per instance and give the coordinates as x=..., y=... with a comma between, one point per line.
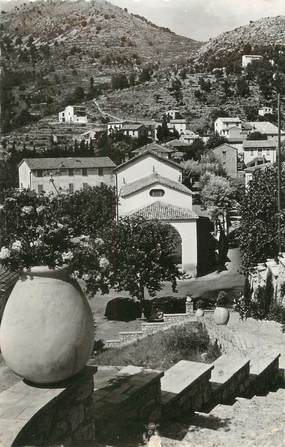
x=276, y=313
x=122, y=309
x=223, y=299
x=166, y=304
x=200, y=304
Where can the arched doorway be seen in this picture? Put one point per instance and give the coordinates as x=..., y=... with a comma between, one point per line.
x=177, y=252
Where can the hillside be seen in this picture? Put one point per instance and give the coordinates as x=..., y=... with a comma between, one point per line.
x=255, y=38
x=50, y=48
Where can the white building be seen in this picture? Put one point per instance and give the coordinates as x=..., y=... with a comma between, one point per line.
x=265, y=111
x=265, y=149
x=189, y=136
x=134, y=130
x=115, y=126
x=249, y=58
x=66, y=174
x=223, y=125
x=151, y=186
x=173, y=114
x=73, y=114
x=180, y=125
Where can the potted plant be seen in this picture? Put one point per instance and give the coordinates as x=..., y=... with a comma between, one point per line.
x=200, y=309
x=47, y=330
x=221, y=313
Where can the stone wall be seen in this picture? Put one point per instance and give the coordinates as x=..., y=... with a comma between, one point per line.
x=66, y=420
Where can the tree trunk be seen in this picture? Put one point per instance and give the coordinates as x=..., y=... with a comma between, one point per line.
x=141, y=298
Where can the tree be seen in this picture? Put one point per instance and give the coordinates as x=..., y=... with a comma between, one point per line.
x=141, y=255
x=216, y=194
x=258, y=233
x=163, y=131
x=257, y=136
x=195, y=150
x=215, y=140
x=242, y=87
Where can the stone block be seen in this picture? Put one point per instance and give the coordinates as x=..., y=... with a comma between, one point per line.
x=76, y=416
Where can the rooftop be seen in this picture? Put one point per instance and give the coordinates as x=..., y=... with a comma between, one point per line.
x=263, y=127
x=251, y=144
x=177, y=143
x=229, y=119
x=151, y=153
x=226, y=146
x=157, y=148
x=134, y=126
x=262, y=167
x=152, y=179
x=69, y=162
x=165, y=211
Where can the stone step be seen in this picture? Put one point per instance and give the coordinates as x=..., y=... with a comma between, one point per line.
x=185, y=387
x=228, y=377
x=264, y=372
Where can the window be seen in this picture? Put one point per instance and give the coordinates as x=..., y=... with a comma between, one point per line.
x=84, y=172
x=260, y=152
x=100, y=171
x=40, y=189
x=70, y=172
x=71, y=188
x=156, y=193
x=39, y=173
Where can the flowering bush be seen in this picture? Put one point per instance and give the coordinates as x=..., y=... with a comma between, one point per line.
x=41, y=234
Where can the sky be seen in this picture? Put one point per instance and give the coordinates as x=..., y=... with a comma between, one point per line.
x=202, y=19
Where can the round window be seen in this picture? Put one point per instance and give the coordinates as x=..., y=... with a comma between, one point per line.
x=156, y=193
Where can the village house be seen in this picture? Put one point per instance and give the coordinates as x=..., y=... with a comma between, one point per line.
x=173, y=114
x=73, y=114
x=161, y=151
x=66, y=174
x=228, y=156
x=134, y=130
x=115, y=126
x=189, y=136
x=266, y=128
x=265, y=111
x=237, y=135
x=249, y=58
x=151, y=186
x=91, y=134
x=222, y=125
x=259, y=148
x=180, y=125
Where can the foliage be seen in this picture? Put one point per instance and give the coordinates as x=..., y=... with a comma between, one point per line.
x=122, y=309
x=163, y=349
x=223, y=299
x=215, y=140
x=166, y=304
x=195, y=170
x=259, y=219
x=216, y=193
x=141, y=256
x=242, y=87
x=257, y=136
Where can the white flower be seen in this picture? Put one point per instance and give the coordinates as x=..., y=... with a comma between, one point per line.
x=27, y=209
x=40, y=209
x=17, y=246
x=104, y=263
x=86, y=276
x=67, y=256
x=99, y=241
x=60, y=225
x=4, y=253
x=75, y=274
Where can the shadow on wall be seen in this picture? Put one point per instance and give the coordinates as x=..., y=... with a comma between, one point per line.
x=206, y=245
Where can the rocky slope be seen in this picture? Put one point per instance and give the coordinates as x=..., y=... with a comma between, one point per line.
x=253, y=38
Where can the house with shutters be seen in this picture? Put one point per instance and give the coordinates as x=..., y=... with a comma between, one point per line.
x=66, y=174
x=228, y=156
x=150, y=185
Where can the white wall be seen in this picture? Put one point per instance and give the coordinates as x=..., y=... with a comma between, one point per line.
x=188, y=233
x=143, y=198
x=24, y=176
x=143, y=167
x=269, y=155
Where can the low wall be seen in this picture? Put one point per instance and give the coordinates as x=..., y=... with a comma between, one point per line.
x=66, y=419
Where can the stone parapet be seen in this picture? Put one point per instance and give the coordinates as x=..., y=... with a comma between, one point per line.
x=48, y=415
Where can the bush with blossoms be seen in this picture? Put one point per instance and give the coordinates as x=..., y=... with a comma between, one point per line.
x=36, y=232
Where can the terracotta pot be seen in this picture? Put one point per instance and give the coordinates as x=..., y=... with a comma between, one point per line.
x=221, y=315
x=199, y=313
x=47, y=331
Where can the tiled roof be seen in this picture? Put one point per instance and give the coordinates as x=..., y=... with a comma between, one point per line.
x=69, y=162
x=165, y=211
x=152, y=179
x=157, y=148
x=177, y=143
x=224, y=145
x=134, y=126
x=153, y=154
x=254, y=168
x=264, y=127
x=251, y=144
x=229, y=119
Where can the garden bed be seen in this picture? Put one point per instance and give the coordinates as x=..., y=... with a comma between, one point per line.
x=162, y=350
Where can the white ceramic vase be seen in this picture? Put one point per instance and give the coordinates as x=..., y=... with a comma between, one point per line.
x=47, y=330
x=221, y=315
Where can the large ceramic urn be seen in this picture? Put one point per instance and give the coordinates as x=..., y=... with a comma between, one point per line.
x=47, y=330
x=221, y=315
